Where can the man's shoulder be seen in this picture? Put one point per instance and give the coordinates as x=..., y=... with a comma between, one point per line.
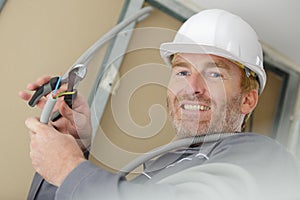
x=251, y=149
x=252, y=140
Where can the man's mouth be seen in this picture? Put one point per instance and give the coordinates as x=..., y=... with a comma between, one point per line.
x=195, y=107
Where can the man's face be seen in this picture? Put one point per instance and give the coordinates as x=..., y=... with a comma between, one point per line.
x=204, y=95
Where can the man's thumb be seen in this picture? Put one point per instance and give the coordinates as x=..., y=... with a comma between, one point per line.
x=66, y=111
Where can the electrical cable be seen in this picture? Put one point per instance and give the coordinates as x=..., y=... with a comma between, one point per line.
x=87, y=56
x=186, y=142
x=57, y=85
x=47, y=110
x=64, y=93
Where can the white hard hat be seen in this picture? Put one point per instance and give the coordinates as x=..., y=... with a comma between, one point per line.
x=220, y=33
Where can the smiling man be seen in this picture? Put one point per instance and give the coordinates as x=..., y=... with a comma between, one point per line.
x=205, y=95
x=217, y=77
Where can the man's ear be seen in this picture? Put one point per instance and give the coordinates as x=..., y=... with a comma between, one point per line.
x=249, y=101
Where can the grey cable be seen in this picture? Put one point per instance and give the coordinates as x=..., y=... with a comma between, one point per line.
x=47, y=110
x=186, y=142
x=86, y=57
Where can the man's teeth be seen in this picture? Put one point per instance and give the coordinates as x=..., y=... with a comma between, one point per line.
x=195, y=107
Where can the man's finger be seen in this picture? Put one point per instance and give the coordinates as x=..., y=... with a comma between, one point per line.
x=66, y=111
x=40, y=81
x=44, y=79
x=24, y=95
x=34, y=125
x=31, y=134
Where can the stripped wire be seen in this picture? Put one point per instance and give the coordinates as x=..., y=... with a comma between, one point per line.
x=56, y=87
x=55, y=96
x=63, y=94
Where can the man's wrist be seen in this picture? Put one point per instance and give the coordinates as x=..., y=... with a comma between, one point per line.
x=70, y=166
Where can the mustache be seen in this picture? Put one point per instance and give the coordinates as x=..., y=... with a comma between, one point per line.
x=194, y=97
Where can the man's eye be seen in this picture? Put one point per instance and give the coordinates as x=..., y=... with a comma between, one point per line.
x=214, y=75
x=183, y=73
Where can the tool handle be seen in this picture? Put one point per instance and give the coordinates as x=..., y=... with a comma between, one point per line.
x=69, y=98
x=43, y=90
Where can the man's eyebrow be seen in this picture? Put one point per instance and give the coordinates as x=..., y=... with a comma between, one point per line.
x=211, y=64
x=219, y=64
x=179, y=64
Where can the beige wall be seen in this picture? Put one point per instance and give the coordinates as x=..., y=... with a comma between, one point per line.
x=45, y=38
x=131, y=126
x=39, y=37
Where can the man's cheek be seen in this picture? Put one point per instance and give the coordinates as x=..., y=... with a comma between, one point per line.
x=177, y=86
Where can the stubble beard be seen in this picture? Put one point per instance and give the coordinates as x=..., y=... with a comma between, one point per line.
x=227, y=119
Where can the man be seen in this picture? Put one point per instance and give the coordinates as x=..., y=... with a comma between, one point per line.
x=217, y=76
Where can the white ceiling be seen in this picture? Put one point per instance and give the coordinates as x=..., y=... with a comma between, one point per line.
x=277, y=22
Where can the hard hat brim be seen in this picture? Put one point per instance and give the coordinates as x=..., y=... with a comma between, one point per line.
x=168, y=49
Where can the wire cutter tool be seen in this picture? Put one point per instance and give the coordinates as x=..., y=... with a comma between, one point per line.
x=71, y=78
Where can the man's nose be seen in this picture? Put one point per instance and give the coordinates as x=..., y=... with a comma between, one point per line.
x=197, y=83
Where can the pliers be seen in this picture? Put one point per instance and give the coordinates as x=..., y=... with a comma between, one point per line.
x=71, y=78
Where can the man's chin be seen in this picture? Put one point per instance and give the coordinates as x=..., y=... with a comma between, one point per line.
x=185, y=132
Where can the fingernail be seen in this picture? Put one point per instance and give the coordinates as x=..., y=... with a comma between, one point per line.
x=29, y=121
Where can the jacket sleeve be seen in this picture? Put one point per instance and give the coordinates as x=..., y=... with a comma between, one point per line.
x=212, y=181
x=40, y=189
x=90, y=182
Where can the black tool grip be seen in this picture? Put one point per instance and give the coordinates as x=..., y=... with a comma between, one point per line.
x=43, y=90
x=36, y=96
x=69, y=98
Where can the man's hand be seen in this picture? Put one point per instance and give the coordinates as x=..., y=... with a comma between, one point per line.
x=54, y=155
x=75, y=121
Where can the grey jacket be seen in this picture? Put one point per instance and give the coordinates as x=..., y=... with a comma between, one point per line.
x=244, y=166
